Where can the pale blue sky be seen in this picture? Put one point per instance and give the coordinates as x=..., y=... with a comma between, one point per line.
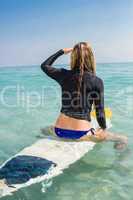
x=31, y=30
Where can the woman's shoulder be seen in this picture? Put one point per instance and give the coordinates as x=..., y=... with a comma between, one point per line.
x=99, y=85
x=93, y=77
x=95, y=81
x=98, y=79
x=64, y=70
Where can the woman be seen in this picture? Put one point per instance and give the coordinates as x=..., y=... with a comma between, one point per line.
x=81, y=89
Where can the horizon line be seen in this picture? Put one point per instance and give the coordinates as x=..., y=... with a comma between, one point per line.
x=31, y=65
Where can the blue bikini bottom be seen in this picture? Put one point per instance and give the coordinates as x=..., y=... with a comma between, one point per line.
x=72, y=134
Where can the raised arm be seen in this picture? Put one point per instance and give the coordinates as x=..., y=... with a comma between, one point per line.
x=99, y=103
x=48, y=69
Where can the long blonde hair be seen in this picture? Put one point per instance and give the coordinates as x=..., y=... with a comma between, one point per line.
x=82, y=58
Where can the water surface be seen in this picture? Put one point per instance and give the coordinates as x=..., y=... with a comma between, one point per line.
x=30, y=100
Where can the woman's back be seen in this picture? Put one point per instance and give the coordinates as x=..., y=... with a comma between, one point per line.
x=79, y=104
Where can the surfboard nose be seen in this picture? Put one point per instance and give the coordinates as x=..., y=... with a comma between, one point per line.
x=21, y=169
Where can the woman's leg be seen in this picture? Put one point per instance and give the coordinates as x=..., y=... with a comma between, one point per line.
x=49, y=130
x=105, y=136
x=120, y=141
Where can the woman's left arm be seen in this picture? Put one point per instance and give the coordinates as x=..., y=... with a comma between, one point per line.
x=99, y=103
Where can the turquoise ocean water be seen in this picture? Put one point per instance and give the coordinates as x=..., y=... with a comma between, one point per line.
x=29, y=100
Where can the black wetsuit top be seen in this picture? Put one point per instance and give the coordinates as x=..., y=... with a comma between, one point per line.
x=91, y=91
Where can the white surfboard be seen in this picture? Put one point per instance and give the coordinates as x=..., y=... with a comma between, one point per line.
x=45, y=159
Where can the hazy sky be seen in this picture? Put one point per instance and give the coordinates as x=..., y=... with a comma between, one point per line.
x=31, y=30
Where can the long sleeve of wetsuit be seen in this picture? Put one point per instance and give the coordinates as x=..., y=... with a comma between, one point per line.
x=51, y=71
x=99, y=104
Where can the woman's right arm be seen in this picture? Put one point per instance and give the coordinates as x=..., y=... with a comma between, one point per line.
x=47, y=67
x=51, y=71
